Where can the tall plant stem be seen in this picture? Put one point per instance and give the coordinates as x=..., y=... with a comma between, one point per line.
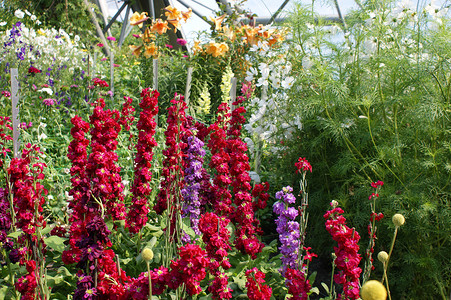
x=391, y=250
x=150, y=280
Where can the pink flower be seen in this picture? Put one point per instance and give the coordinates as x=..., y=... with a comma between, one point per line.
x=48, y=101
x=100, y=45
x=181, y=42
x=6, y=94
x=104, y=58
x=136, y=36
x=169, y=46
x=111, y=38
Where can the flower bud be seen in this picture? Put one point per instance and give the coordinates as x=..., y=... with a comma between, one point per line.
x=373, y=290
x=147, y=254
x=382, y=256
x=398, y=220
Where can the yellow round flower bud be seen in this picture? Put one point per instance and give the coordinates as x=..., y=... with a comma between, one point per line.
x=147, y=254
x=382, y=256
x=373, y=290
x=398, y=220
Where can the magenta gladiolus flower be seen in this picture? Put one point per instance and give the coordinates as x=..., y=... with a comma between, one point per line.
x=100, y=45
x=103, y=58
x=111, y=38
x=169, y=46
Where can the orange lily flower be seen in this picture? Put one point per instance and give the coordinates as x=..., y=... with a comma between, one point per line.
x=136, y=50
x=138, y=19
x=172, y=13
x=159, y=26
x=186, y=15
x=251, y=35
x=217, y=21
x=151, y=50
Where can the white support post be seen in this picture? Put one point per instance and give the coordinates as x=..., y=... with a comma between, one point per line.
x=233, y=81
x=188, y=85
x=155, y=81
x=112, y=75
x=15, y=110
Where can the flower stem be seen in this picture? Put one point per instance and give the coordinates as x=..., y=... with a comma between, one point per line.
x=150, y=280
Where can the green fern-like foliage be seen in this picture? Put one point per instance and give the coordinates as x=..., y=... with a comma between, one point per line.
x=376, y=106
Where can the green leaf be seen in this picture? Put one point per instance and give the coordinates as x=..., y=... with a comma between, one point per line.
x=15, y=235
x=325, y=287
x=314, y=290
x=55, y=242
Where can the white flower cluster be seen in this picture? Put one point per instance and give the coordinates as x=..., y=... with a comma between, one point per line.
x=44, y=47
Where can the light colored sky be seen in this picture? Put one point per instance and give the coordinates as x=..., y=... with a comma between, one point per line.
x=263, y=8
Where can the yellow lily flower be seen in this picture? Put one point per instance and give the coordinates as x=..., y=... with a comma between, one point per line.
x=217, y=21
x=176, y=24
x=148, y=36
x=186, y=15
x=138, y=19
x=151, y=50
x=172, y=13
x=136, y=50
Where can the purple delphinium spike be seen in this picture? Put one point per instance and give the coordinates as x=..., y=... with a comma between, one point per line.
x=193, y=178
x=287, y=228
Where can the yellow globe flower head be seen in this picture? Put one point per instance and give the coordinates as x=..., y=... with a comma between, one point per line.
x=373, y=290
x=147, y=254
x=382, y=256
x=138, y=19
x=159, y=26
x=398, y=220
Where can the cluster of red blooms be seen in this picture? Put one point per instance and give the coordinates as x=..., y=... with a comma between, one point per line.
x=97, y=191
x=138, y=288
x=298, y=284
x=127, y=118
x=260, y=194
x=33, y=70
x=347, y=256
x=256, y=289
x=220, y=162
x=137, y=214
x=302, y=165
x=247, y=226
x=216, y=238
x=173, y=164
x=189, y=269
x=99, y=82
x=28, y=198
x=5, y=123
x=106, y=183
